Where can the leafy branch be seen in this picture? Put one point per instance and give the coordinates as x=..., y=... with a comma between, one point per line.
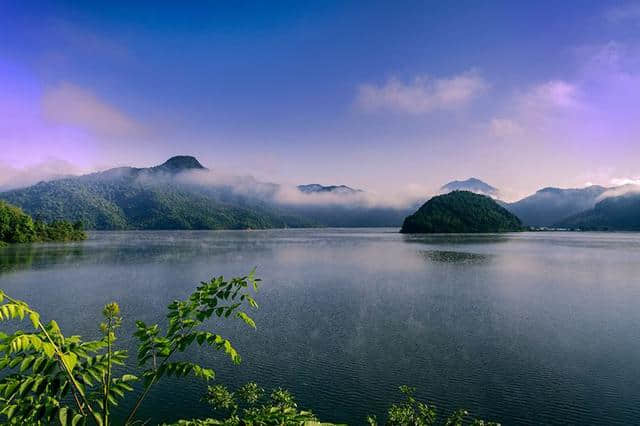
x=217, y=298
x=46, y=369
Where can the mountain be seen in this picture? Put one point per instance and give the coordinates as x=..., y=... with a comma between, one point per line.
x=314, y=188
x=471, y=185
x=461, y=212
x=182, y=194
x=619, y=213
x=550, y=206
x=147, y=198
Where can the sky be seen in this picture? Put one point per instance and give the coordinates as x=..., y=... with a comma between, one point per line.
x=391, y=97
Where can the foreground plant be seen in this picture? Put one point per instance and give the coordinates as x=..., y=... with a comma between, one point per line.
x=250, y=406
x=53, y=379
x=412, y=412
x=56, y=379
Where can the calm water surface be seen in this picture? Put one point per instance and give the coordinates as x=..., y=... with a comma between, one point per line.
x=525, y=328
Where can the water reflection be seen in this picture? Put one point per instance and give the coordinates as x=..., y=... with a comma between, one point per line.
x=458, y=239
x=36, y=256
x=455, y=257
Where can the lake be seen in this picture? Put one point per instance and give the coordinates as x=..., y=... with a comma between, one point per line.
x=527, y=328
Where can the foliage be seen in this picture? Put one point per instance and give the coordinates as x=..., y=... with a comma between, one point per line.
x=18, y=227
x=412, y=412
x=249, y=405
x=51, y=378
x=461, y=211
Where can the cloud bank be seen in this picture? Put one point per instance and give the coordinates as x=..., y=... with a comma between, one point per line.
x=287, y=194
x=423, y=94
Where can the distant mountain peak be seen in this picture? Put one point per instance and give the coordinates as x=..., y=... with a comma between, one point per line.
x=179, y=163
x=472, y=185
x=336, y=189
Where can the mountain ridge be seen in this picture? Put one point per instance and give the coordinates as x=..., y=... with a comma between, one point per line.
x=550, y=205
x=615, y=213
x=173, y=195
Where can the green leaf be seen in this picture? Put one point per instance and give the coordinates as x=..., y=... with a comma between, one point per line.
x=35, y=319
x=54, y=327
x=9, y=412
x=23, y=387
x=62, y=415
x=86, y=379
x=48, y=349
x=76, y=419
x=70, y=359
x=26, y=363
x=37, y=364
x=128, y=378
x=247, y=319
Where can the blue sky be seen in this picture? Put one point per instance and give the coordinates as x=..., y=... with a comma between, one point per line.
x=387, y=96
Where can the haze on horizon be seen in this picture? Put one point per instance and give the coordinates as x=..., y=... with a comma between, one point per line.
x=384, y=97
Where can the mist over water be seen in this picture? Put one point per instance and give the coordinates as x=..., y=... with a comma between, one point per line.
x=528, y=328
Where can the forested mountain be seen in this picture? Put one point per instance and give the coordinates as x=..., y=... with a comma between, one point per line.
x=180, y=194
x=461, y=212
x=620, y=213
x=550, y=206
x=146, y=198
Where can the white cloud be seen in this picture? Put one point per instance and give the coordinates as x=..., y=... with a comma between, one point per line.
x=71, y=105
x=625, y=181
x=423, y=94
x=632, y=187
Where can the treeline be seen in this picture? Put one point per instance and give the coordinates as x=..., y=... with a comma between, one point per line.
x=18, y=227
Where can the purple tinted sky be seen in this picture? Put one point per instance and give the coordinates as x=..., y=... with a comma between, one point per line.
x=387, y=96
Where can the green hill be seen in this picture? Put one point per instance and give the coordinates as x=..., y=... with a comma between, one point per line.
x=461, y=212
